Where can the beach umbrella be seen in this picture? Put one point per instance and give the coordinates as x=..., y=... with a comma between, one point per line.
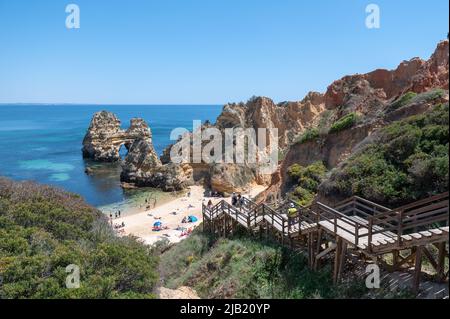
x=157, y=224
x=193, y=219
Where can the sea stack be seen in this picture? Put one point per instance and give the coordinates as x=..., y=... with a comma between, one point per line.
x=143, y=168
x=105, y=136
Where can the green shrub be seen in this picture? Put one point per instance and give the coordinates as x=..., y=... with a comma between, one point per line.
x=430, y=95
x=411, y=97
x=309, y=135
x=242, y=267
x=403, y=100
x=343, y=123
x=306, y=180
x=407, y=161
x=43, y=230
x=302, y=196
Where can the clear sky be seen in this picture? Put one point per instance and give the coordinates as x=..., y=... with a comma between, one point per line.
x=203, y=51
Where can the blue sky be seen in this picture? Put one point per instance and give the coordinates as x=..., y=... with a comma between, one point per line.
x=202, y=51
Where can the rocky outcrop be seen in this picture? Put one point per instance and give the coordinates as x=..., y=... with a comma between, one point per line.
x=370, y=96
x=105, y=137
x=143, y=168
x=289, y=118
x=362, y=91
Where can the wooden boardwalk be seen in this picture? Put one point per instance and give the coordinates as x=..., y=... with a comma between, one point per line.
x=355, y=223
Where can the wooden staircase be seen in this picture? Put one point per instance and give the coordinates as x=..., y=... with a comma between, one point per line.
x=355, y=223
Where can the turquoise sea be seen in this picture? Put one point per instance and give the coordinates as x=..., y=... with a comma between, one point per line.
x=43, y=143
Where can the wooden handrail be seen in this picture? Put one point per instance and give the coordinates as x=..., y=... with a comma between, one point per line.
x=393, y=223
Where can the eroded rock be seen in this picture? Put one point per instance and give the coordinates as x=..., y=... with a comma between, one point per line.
x=105, y=137
x=143, y=168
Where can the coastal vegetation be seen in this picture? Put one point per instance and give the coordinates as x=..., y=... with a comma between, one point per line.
x=412, y=97
x=306, y=181
x=403, y=100
x=247, y=267
x=43, y=230
x=309, y=135
x=408, y=160
x=324, y=127
x=343, y=123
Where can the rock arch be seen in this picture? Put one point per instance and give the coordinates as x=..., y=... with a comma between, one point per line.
x=105, y=136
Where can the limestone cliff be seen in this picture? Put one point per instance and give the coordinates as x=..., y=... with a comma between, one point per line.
x=376, y=98
x=338, y=121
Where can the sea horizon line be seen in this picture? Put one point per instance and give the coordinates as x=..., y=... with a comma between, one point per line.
x=113, y=104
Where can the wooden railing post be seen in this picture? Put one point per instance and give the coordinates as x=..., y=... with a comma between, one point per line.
x=369, y=236
x=356, y=234
x=354, y=206
x=400, y=228
x=273, y=218
x=335, y=224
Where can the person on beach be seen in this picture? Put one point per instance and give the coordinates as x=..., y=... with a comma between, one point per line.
x=242, y=201
x=292, y=213
x=119, y=213
x=239, y=200
x=233, y=199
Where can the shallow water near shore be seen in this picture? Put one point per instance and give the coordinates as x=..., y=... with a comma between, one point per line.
x=43, y=143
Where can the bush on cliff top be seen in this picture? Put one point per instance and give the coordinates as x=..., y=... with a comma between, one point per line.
x=403, y=100
x=412, y=97
x=408, y=161
x=306, y=181
x=43, y=230
x=309, y=135
x=343, y=123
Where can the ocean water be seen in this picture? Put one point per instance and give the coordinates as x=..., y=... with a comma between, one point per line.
x=43, y=143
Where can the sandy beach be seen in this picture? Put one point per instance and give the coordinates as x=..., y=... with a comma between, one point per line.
x=171, y=215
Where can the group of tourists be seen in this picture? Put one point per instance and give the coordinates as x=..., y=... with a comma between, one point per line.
x=116, y=214
x=237, y=200
x=119, y=226
x=215, y=194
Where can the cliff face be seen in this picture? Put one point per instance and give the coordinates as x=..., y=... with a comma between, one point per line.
x=368, y=99
x=368, y=96
x=289, y=118
x=371, y=97
x=104, y=136
x=261, y=112
x=360, y=91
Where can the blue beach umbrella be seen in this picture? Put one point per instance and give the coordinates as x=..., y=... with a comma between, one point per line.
x=157, y=224
x=193, y=219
